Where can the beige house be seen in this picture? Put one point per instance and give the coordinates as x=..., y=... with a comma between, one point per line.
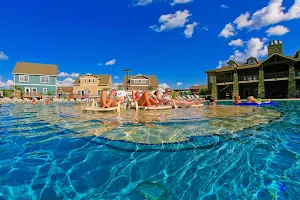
x=140, y=82
x=92, y=84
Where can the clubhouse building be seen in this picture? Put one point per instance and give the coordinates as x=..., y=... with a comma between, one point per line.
x=278, y=76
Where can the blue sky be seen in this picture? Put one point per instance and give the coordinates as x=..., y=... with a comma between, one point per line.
x=178, y=40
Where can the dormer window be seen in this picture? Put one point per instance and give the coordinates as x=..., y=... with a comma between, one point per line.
x=231, y=64
x=251, y=61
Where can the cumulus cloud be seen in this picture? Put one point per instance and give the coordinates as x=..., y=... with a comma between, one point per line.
x=179, y=83
x=116, y=77
x=224, y=6
x=163, y=86
x=74, y=75
x=228, y=31
x=111, y=62
x=188, y=32
x=3, y=56
x=65, y=74
x=255, y=47
x=236, y=43
x=68, y=82
x=204, y=28
x=171, y=21
x=180, y=2
x=277, y=30
x=142, y=2
x=7, y=84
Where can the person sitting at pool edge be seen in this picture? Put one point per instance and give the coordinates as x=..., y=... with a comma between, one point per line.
x=212, y=102
x=237, y=100
x=168, y=100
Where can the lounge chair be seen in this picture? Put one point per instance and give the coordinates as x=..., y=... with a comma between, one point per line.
x=134, y=104
x=97, y=108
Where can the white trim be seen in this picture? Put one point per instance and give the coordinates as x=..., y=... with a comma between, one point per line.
x=33, y=74
x=36, y=90
x=35, y=84
x=23, y=81
x=44, y=90
x=44, y=77
x=27, y=88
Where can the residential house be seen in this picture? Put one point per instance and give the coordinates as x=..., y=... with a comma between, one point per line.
x=35, y=79
x=277, y=76
x=92, y=84
x=195, y=89
x=140, y=82
x=64, y=92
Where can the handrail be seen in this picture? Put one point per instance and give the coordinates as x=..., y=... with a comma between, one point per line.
x=276, y=75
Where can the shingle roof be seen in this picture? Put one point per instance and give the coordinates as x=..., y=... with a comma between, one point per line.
x=103, y=78
x=153, y=79
x=198, y=87
x=35, y=68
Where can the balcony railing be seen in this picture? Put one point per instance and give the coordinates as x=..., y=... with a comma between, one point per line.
x=31, y=94
x=276, y=75
x=248, y=78
x=224, y=80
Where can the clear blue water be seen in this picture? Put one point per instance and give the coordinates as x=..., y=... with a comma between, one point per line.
x=45, y=153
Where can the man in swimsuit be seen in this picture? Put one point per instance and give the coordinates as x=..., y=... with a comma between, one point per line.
x=168, y=100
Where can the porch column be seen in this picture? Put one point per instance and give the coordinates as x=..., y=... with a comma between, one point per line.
x=214, y=89
x=292, y=81
x=235, y=91
x=261, y=83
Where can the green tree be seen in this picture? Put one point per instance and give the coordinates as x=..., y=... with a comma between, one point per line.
x=203, y=91
x=150, y=88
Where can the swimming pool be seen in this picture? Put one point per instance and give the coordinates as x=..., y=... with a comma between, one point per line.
x=55, y=152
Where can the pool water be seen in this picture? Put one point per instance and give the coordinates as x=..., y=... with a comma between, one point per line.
x=56, y=152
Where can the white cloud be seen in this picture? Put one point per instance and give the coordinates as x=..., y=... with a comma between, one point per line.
x=255, y=47
x=63, y=74
x=7, y=84
x=116, y=77
x=204, y=28
x=180, y=2
x=224, y=6
x=277, y=30
x=171, y=21
x=163, y=86
x=273, y=13
x=68, y=82
x=111, y=62
x=143, y=2
x=228, y=31
x=188, y=32
x=179, y=83
x=74, y=75
x=3, y=56
x=236, y=43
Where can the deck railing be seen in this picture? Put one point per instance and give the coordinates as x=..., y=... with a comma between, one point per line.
x=224, y=80
x=248, y=78
x=31, y=94
x=276, y=75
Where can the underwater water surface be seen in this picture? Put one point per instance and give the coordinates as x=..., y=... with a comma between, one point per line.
x=56, y=152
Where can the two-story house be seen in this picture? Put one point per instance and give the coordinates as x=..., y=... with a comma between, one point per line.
x=140, y=82
x=92, y=84
x=277, y=76
x=35, y=79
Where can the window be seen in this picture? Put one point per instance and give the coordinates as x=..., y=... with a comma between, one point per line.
x=231, y=64
x=89, y=91
x=23, y=78
x=99, y=92
x=251, y=61
x=45, y=79
x=45, y=90
x=135, y=81
x=93, y=80
x=144, y=81
x=89, y=80
x=85, y=80
x=34, y=90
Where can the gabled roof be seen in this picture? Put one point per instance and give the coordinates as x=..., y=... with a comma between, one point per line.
x=253, y=58
x=35, y=68
x=153, y=79
x=232, y=61
x=276, y=54
x=139, y=76
x=103, y=78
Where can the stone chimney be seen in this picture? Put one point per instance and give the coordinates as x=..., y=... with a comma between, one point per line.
x=275, y=47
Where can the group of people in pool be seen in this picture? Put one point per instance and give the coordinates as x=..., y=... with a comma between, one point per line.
x=148, y=99
x=250, y=99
